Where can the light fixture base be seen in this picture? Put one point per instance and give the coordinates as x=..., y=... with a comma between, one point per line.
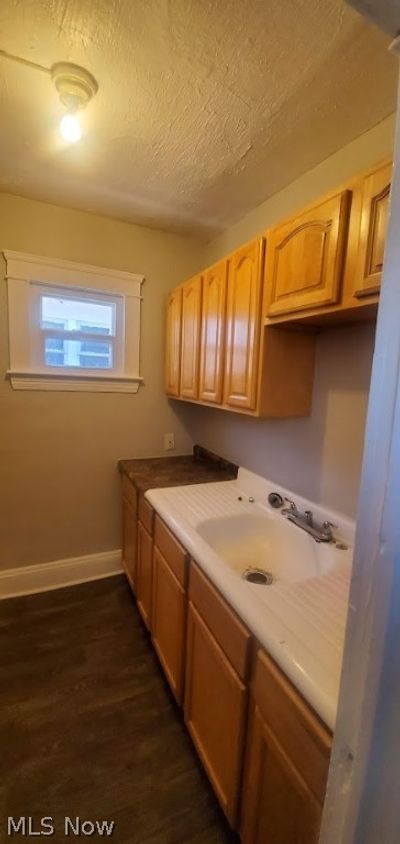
x=75, y=85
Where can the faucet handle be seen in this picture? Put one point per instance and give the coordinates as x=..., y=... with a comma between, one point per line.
x=309, y=517
x=327, y=525
x=292, y=508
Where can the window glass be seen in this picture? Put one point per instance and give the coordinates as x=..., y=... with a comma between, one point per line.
x=77, y=315
x=77, y=353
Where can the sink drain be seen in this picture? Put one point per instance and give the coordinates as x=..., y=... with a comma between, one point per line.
x=263, y=578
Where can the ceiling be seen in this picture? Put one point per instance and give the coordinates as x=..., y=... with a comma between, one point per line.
x=205, y=108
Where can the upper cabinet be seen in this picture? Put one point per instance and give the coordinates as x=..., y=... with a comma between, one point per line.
x=243, y=325
x=305, y=257
x=373, y=228
x=213, y=333
x=228, y=358
x=173, y=342
x=190, y=342
x=230, y=337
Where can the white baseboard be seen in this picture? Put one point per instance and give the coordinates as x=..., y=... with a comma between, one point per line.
x=41, y=578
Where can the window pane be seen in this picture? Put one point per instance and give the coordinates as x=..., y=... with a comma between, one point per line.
x=77, y=315
x=71, y=353
x=96, y=348
x=53, y=324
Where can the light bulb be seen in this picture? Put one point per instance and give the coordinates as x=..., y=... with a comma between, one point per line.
x=70, y=128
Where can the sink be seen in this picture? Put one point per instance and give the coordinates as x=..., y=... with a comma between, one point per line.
x=269, y=542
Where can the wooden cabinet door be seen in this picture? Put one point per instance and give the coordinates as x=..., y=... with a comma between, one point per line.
x=215, y=708
x=305, y=258
x=173, y=342
x=243, y=326
x=212, y=333
x=190, y=344
x=374, y=222
x=277, y=808
x=129, y=539
x=169, y=622
x=287, y=761
x=144, y=574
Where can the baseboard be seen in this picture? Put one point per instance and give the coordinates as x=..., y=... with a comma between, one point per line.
x=28, y=580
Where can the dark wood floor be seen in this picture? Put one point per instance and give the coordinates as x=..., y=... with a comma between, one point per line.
x=88, y=727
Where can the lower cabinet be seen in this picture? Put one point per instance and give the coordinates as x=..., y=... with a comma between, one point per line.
x=129, y=539
x=168, y=629
x=144, y=574
x=265, y=751
x=287, y=762
x=218, y=652
x=169, y=622
x=215, y=712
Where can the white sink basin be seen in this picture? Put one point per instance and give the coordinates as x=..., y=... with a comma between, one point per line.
x=269, y=542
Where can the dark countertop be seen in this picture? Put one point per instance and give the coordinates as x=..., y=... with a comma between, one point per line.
x=200, y=467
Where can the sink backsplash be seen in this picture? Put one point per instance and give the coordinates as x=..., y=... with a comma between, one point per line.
x=259, y=488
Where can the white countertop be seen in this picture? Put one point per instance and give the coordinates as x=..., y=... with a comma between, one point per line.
x=301, y=624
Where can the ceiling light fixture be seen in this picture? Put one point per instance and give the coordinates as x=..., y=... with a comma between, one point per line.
x=75, y=86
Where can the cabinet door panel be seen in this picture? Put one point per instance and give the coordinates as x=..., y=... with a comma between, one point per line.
x=212, y=333
x=190, y=344
x=277, y=808
x=144, y=574
x=243, y=326
x=169, y=622
x=215, y=707
x=129, y=539
x=173, y=342
x=305, y=258
x=374, y=222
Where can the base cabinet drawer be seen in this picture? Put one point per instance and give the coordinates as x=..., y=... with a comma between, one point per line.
x=215, y=712
x=146, y=514
x=144, y=574
x=173, y=552
x=129, y=540
x=169, y=623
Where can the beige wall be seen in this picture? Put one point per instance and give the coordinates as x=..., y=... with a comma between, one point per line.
x=58, y=451
x=319, y=457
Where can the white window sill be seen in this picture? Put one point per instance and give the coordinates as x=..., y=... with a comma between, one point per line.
x=74, y=383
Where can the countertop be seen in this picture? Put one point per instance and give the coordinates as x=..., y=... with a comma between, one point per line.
x=300, y=624
x=156, y=472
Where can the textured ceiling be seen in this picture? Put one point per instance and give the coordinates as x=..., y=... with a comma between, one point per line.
x=205, y=107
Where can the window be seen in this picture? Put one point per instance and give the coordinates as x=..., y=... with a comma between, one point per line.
x=67, y=325
x=72, y=326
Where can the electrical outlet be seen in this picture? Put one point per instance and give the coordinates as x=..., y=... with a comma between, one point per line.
x=169, y=442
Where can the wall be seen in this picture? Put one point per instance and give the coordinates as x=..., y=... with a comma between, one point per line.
x=319, y=457
x=58, y=451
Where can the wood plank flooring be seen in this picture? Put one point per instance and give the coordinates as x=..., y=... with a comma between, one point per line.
x=88, y=727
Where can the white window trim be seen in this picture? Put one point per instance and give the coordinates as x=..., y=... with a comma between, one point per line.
x=23, y=269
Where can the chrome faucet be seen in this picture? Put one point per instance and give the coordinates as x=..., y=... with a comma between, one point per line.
x=305, y=521
x=291, y=509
